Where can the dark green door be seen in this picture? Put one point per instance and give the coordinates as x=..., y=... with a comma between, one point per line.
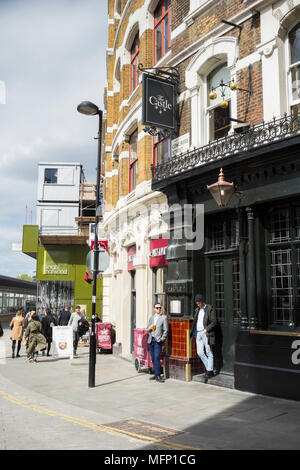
x=224, y=295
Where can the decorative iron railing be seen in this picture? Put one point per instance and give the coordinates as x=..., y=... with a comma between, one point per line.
x=231, y=145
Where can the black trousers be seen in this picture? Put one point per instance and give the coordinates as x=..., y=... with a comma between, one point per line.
x=75, y=340
x=14, y=345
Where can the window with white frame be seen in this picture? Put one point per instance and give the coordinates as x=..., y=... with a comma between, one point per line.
x=218, y=117
x=294, y=67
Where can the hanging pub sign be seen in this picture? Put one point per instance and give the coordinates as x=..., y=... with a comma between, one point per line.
x=159, y=104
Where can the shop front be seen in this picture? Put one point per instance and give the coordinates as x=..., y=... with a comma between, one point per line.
x=248, y=266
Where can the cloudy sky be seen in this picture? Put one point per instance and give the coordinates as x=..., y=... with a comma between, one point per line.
x=52, y=57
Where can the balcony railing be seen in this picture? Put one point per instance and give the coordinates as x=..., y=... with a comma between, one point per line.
x=229, y=146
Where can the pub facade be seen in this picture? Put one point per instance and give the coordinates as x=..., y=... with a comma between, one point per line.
x=236, y=67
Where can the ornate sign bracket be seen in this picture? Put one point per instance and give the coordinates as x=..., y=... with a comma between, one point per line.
x=168, y=72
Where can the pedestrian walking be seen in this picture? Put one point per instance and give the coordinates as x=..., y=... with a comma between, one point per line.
x=28, y=317
x=17, y=325
x=203, y=331
x=36, y=341
x=158, y=331
x=64, y=316
x=75, y=321
x=48, y=322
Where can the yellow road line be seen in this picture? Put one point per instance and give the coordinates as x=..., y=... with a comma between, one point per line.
x=113, y=431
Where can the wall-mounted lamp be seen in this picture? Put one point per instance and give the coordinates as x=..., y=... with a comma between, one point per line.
x=234, y=86
x=221, y=191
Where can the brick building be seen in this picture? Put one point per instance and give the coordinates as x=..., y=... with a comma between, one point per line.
x=238, y=64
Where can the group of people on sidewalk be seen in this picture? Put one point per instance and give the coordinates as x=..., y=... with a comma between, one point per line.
x=37, y=334
x=203, y=330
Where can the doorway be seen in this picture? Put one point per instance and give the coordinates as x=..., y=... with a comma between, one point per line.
x=224, y=293
x=222, y=268
x=132, y=310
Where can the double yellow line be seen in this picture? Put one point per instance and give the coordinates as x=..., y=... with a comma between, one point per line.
x=113, y=431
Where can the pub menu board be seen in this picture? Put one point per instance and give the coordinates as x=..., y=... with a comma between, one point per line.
x=62, y=341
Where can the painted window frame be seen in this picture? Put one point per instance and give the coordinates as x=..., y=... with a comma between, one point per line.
x=133, y=162
x=160, y=21
x=157, y=142
x=211, y=107
x=134, y=63
x=291, y=67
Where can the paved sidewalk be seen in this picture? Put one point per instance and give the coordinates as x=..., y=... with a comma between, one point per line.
x=49, y=406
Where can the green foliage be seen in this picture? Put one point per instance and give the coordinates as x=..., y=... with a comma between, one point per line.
x=24, y=277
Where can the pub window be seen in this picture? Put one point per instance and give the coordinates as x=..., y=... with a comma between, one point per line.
x=284, y=264
x=223, y=234
x=50, y=175
x=134, y=63
x=162, y=149
x=159, y=292
x=133, y=161
x=294, y=63
x=162, y=29
x=218, y=118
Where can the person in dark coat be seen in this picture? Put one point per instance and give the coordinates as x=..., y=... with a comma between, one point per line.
x=203, y=331
x=64, y=316
x=48, y=322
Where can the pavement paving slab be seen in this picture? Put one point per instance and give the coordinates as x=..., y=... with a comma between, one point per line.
x=49, y=406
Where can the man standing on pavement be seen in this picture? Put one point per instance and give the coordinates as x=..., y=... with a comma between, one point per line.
x=203, y=330
x=75, y=321
x=64, y=316
x=158, y=330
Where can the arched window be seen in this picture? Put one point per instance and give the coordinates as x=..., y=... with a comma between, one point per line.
x=218, y=117
x=134, y=63
x=162, y=29
x=294, y=68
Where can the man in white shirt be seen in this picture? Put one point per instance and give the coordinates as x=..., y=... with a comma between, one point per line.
x=203, y=332
x=75, y=320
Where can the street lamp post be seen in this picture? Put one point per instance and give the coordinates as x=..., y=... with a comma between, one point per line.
x=90, y=109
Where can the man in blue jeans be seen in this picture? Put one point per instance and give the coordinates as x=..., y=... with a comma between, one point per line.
x=203, y=331
x=158, y=330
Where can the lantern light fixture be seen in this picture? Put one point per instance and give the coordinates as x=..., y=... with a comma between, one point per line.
x=222, y=190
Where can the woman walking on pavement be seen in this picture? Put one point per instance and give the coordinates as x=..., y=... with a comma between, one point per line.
x=48, y=322
x=36, y=341
x=17, y=325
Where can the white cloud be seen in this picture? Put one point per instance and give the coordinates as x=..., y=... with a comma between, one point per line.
x=52, y=57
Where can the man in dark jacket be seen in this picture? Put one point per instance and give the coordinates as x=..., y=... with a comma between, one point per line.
x=64, y=316
x=203, y=331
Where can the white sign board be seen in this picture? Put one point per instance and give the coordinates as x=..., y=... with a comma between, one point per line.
x=180, y=144
x=62, y=341
x=175, y=306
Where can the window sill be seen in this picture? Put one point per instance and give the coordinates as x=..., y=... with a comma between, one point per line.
x=190, y=18
x=163, y=59
x=275, y=332
x=133, y=95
